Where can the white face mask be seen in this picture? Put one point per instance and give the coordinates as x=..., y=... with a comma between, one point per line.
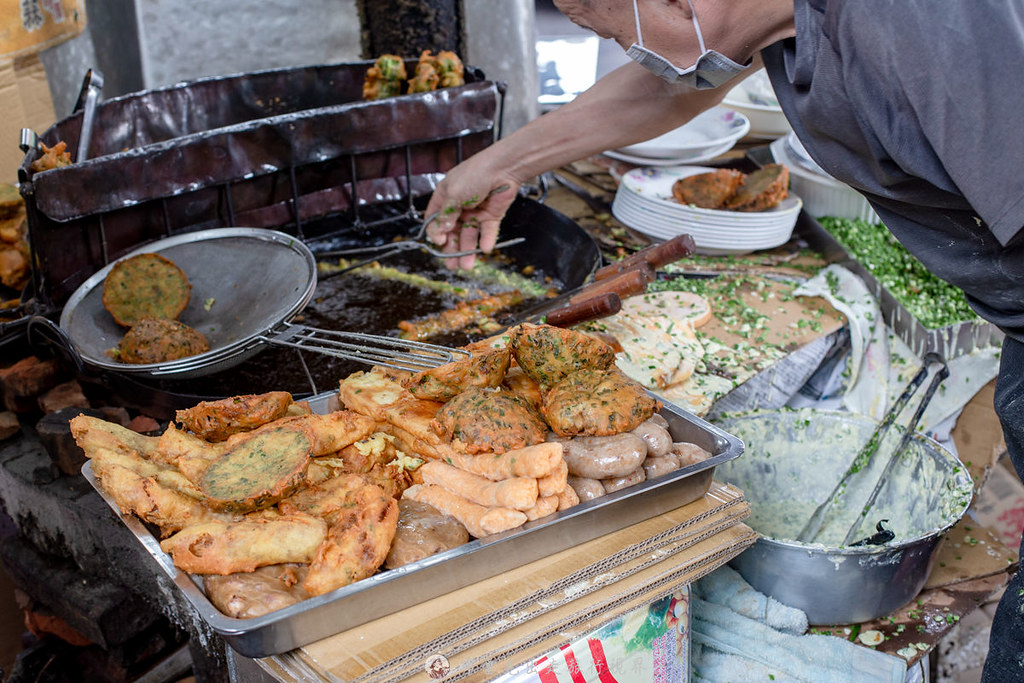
x=711, y=69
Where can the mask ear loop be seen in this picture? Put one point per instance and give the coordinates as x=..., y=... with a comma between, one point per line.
x=696, y=25
x=636, y=15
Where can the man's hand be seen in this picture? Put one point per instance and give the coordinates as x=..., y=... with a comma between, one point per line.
x=470, y=207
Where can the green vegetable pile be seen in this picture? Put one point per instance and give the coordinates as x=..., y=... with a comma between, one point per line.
x=932, y=301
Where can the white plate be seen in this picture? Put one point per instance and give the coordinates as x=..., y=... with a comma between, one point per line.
x=695, y=158
x=707, y=236
x=707, y=131
x=758, y=220
x=702, y=225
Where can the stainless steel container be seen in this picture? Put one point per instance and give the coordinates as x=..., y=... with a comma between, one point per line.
x=792, y=461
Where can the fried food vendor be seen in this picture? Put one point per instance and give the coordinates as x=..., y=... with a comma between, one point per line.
x=911, y=103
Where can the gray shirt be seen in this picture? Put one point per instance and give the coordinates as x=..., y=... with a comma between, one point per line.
x=919, y=105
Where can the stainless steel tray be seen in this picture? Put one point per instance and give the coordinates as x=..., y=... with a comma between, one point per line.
x=949, y=342
x=393, y=590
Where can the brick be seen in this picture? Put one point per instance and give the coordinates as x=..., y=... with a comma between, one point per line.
x=144, y=424
x=43, y=622
x=115, y=414
x=9, y=425
x=54, y=432
x=99, y=609
x=66, y=395
x=22, y=382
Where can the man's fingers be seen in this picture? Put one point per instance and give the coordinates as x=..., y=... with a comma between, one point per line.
x=468, y=239
x=441, y=228
x=489, y=234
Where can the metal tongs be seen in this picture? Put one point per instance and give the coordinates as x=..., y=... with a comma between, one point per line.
x=867, y=453
x=416, y=242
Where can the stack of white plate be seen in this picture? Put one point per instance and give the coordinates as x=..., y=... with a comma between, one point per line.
x=755, y=99
x=644, y=202
x=706, y=136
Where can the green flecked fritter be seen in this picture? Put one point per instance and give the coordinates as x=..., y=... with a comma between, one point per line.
x=487, y=421
x=145, y=286
x=548, y=354
x=259, y=471
x=157, y=340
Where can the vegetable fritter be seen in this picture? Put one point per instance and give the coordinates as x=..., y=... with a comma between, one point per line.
x=145, y=286
x=708, y=190
x=159, y=340
x=217, y=420
x=547, y=354
x=484, y=369
x=761, y=190
x=481, y=420
x=259, y=470
x=597, y=403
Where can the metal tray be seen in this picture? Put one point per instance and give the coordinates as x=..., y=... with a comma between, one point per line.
x=393, y=590
x=949, y=342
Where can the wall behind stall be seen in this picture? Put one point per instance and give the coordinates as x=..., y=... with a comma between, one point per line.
x=143, y=44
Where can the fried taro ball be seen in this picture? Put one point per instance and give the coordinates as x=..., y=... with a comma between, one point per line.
x=547, y=354
x=708, y=190
x=597, y=403
x=483, y=369
x=156, y=340
x=482, y=421
x=145, y=286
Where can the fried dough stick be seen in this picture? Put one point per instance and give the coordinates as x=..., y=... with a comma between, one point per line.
x=124, y=479
x=219, y=547
x=357, y=542
x=518, y=493
x=479, y=521
x=536, y=461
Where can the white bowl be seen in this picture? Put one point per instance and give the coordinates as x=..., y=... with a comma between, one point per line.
x=716, y=129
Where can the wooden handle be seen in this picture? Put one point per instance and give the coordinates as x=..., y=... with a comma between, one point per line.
x=595, y=307
x=625, y=284
x=656, y=255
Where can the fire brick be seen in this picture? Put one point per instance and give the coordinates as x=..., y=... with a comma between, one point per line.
x=66, y=395
x=22, y=382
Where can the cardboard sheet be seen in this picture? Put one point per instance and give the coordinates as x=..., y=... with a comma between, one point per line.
x=24, y=103
x=491, y=627
x=28, y=26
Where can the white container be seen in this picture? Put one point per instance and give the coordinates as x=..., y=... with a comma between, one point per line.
x=822, y=194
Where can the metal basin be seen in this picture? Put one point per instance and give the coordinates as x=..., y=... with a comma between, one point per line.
x=792, y=461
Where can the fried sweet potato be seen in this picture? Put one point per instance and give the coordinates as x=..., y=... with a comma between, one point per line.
x=258, y=470
x=217, y=420
x=709, y=190
x=159, y=340
x=145, y=286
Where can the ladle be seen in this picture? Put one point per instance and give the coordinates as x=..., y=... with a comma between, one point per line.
x=867, y=453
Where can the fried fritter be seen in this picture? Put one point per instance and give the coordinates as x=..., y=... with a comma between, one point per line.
x=227, y=547
x=547, y=354
x=259, y=469
x=450, y=68
x=145, y=286
x=426, y=76
x=384, y=78
x=370, y=393
x=485, y=369
x=520, y=384
x=709, y=190
x=252, y=594
x=217, y=420
x=481, y=420
x=597, y=403
x=52, y=157
x=465, y=314
x=357, y=542
x=158, y=340
x=761, y=190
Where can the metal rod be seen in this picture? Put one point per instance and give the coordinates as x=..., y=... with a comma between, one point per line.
x=295, y=202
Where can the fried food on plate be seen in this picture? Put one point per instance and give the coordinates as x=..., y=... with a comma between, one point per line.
x=92, y=433
x=483, y=420
x=596, y=402
x=761, y=190
x=227, y=547
x=258, y=470
x=325, y=500
x=357, y=542
x=422, y=531
x=159, y=340
x=330, y=432
x=484, y=369
x=709, y=190
x=547, y=354
x=252, y=594
x=145, y=286
x=217, y=420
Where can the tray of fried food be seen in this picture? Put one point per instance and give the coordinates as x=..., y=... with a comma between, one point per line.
x=284, y=522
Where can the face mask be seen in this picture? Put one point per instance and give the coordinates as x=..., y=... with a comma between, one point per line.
x=711, y=69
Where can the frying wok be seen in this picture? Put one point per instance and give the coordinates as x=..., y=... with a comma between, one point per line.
x=248, y=283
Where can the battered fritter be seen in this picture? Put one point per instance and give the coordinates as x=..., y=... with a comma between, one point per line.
x=217, y=420
x=484, y=369
x=145, y=286
x=547, y=354
x=761, y=190
x=708, y=190
x=597, y=403
x=482, y=420
x=158, y=340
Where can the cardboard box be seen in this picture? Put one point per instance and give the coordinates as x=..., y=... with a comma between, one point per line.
x=24, y=103
x=28, y=26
